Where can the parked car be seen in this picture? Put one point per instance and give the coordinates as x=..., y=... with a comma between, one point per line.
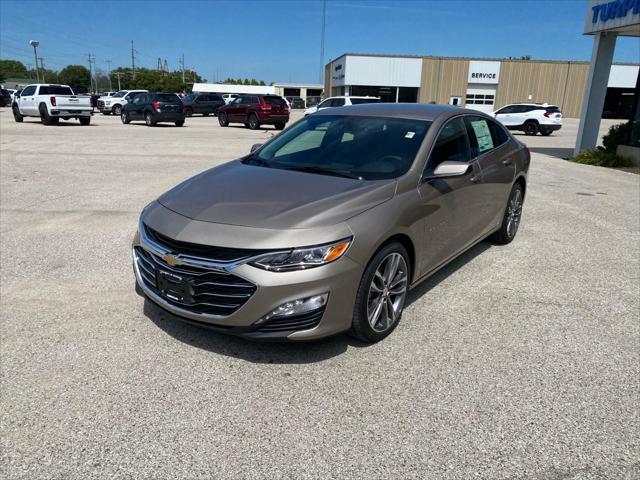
x=327, y=226
x=114, y=103
x=530, y=118
x=341, y=101
x=154, y=108
x=229, y=97
x=5, y=97
x=254, y=111
x=297, y=102
x=203, y=103
x=51, y=103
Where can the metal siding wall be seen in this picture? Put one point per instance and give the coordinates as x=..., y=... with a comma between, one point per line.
x=443, y=78
x=327, y=79
x=576, y=84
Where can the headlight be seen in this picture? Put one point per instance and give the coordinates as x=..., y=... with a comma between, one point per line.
x=302, y=258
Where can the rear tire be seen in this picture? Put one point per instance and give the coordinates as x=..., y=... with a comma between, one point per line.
x=511, y=218
x=45, y=118
x=381, y=294
x=16, y=114
x=148, y=119
x=545, y=132
x=85, y=120
x=530, y=128
x=280, y=126
x=179, y=123
x=253, y=122
x=188, y=111
x=223, y=120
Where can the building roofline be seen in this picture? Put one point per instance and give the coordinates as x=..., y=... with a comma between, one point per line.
x=488, y=59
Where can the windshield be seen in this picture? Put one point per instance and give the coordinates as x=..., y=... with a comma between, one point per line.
x=370, y=148
x=121, y=93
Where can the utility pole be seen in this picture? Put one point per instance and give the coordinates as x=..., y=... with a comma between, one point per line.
x=159, y=68
x=133, y=61
x=91, y=58
x=118, y=74
x=42, y=68
x=108, y=62
x=182, y=67
x=166, y=66
x=324, y=12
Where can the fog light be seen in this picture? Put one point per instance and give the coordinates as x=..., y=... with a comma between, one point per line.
x=297, y=307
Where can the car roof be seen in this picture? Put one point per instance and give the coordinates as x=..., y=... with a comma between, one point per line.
x=351, y=96
x=545, y=105
x=416, y=111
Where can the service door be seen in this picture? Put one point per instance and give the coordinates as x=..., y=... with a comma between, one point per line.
x=482, y=98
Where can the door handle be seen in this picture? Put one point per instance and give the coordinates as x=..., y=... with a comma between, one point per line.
x=507, y=161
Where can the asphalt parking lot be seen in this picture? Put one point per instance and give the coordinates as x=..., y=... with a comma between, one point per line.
x=514, y=362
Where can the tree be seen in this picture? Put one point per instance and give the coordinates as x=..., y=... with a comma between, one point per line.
x=262, y=84
x=12, y=69
x=76, y=76
x=246, y=82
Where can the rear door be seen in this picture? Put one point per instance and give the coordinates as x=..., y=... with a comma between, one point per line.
x=450, y=206
x=249, y=104
x=494, y=153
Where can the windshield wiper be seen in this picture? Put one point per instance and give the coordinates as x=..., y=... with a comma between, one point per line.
x=326, y=171
x=255, y=160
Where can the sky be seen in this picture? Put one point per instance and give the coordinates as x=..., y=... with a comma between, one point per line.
x=279, y=40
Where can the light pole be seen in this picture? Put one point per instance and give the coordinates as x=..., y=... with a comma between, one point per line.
x=34, y=44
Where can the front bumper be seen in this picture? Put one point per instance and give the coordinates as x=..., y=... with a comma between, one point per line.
x=340, y=279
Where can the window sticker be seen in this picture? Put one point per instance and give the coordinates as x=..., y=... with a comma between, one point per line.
x=409, y=134
x=483, y=135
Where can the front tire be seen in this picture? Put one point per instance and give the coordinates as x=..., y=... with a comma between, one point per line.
x=511, y=218
x=530, y=128
x=16, y=114
x=223, y=120
x=117, y=110
x=253, y=122
x=381, y=294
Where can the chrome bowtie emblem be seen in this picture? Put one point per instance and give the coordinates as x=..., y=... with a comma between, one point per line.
x=171, y=260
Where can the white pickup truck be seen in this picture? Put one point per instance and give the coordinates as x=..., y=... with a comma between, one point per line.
x=51, y=103
x=114, y=103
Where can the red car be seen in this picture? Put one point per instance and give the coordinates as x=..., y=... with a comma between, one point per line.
x=254, y=111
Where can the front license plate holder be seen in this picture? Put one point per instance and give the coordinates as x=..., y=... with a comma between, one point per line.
x=174, y=287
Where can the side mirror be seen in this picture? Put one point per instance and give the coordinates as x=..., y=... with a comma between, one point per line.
x=255, y=147
x=449, y=169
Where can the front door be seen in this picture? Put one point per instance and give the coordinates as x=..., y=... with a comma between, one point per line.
x=506, y=115
x=452, y=212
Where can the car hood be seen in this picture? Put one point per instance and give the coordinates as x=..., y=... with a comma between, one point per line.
x=254, y=196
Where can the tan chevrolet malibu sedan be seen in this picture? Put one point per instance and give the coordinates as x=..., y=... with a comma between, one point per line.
x=325, y=228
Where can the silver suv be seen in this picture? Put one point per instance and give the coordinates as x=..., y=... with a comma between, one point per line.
x=326, y=227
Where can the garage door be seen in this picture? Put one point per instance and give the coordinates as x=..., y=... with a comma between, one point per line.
x=482, y=99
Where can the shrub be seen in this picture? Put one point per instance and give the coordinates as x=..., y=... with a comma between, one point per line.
x=601, y=158
x=617, y=135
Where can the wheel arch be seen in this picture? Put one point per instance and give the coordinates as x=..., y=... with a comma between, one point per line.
x=523, y=183
x=407, y=243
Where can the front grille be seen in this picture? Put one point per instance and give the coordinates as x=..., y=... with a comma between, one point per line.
x=207, y=292
x=216, y=254
x=303, y=321
x=100, y=104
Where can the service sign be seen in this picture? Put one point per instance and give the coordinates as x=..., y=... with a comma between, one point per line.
x=483, y=72
x=337, y=72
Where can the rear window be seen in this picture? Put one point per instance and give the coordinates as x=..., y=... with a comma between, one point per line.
x=55, y=90
x=553, y=109
x=167, y=98
x=358, y=101
x=274, y=101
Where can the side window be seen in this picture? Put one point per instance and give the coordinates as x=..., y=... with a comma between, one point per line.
x=27, y=92
x=325, y=103
x=337, y=102
x=497, y=133
x=504, y=110
x=451, y=146
x=480, y=135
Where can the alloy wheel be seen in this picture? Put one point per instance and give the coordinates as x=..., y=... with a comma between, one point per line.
x=387, y=292
x=514, y=212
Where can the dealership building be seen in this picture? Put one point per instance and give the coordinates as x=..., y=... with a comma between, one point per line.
x=481, y=83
